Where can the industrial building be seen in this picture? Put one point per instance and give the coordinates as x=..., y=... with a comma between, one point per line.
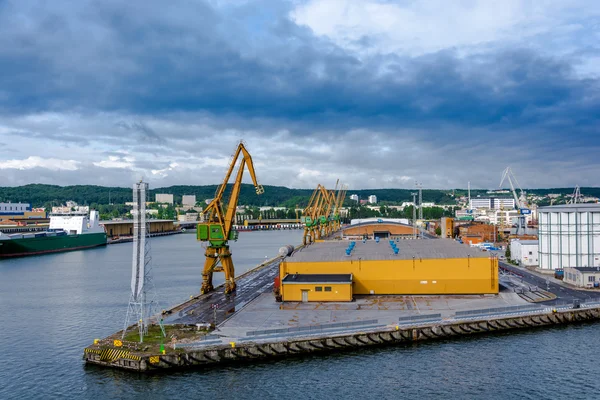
x=17, y=211
x=188, y=200
x=447, y=227
x=497, y=203
x=322, y=287
x=586, y=277
x=569, y=236
x=164, y=198
x=115, y=229
x=403, y=267
x=475, y=233
x=382, y=230
x=525, y=252
x=14, y=208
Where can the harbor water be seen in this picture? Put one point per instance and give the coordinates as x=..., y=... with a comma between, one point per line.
x=55, y=305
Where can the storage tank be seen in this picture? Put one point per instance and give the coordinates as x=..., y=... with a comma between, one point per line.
x=569, y=236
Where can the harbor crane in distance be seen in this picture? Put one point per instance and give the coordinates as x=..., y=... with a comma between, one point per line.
x=339, y=202
x=576, y=196
x=310, y=215
x=321, y=216
x=218, y=228
x=520, y=200
x=325, y=220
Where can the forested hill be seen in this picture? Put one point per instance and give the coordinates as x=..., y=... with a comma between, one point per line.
x=45, y=195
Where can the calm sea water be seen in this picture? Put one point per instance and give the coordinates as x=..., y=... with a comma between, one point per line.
x=55, y=305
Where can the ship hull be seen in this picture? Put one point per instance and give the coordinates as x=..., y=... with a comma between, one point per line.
x=50, y=244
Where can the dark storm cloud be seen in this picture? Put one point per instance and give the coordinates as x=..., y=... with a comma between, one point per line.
x=166, y=91
x=147, y=58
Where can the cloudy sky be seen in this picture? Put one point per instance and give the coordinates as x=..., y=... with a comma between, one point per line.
x=377, y=93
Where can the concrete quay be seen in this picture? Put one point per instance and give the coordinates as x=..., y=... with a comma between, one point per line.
x=251, y=326
x=368, y=336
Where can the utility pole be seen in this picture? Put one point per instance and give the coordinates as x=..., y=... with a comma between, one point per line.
x=414, y=195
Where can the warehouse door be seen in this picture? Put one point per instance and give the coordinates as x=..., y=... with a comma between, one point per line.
x=381, y=235
x=305, y=296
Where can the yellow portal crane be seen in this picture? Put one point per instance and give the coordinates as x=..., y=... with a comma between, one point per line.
x=218, y=229
x=325, y=213
x=310, y=216
x=321, y=215
x=339, y=202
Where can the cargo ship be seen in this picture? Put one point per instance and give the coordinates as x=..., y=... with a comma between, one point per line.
x=66, y=232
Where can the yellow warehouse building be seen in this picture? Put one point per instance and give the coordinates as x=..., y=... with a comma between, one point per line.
x=418, y=267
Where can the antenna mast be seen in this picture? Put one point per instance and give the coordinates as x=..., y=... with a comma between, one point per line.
x=143, y=302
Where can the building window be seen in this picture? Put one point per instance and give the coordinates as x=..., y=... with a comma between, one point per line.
x=328, y=288
x=318, y=288
x=591, y=278
x=529, y=253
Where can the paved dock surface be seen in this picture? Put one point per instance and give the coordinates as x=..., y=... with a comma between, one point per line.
x=249, y=286
x=265, y=313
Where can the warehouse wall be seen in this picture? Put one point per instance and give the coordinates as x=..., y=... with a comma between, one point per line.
x=419, y=276
x=339, y=291
x=126, y=228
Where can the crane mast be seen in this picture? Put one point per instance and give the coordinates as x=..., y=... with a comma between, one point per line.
x=218, y=229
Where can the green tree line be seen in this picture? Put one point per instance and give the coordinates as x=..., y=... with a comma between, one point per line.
x=39, y=195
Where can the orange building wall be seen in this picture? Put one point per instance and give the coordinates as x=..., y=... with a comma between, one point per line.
x=368, y=229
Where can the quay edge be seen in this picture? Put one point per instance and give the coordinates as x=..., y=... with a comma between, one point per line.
x=391, y=335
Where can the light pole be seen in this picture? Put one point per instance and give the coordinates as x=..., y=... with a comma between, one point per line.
x=414, y=195
x=420, y=187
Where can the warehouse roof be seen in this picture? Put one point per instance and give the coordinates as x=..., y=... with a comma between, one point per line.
x=130, y=221
x=581, y=207
x=526, y=241
x=318, y=278
x=587, y=269
x=408, y=249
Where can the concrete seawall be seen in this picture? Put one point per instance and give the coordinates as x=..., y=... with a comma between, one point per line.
x=390, y=335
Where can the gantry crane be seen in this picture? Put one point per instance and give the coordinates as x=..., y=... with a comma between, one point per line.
x=520, y=201
x=218, y=229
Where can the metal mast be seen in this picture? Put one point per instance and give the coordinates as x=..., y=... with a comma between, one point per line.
x=414, y=195
x=143, y=302
x=420, y=186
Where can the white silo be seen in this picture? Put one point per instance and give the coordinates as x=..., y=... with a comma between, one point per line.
x=569, y=236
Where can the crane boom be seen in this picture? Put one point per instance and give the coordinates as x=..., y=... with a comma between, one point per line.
x=217, y=229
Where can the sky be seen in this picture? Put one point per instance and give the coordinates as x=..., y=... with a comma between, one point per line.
x=375, y=93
